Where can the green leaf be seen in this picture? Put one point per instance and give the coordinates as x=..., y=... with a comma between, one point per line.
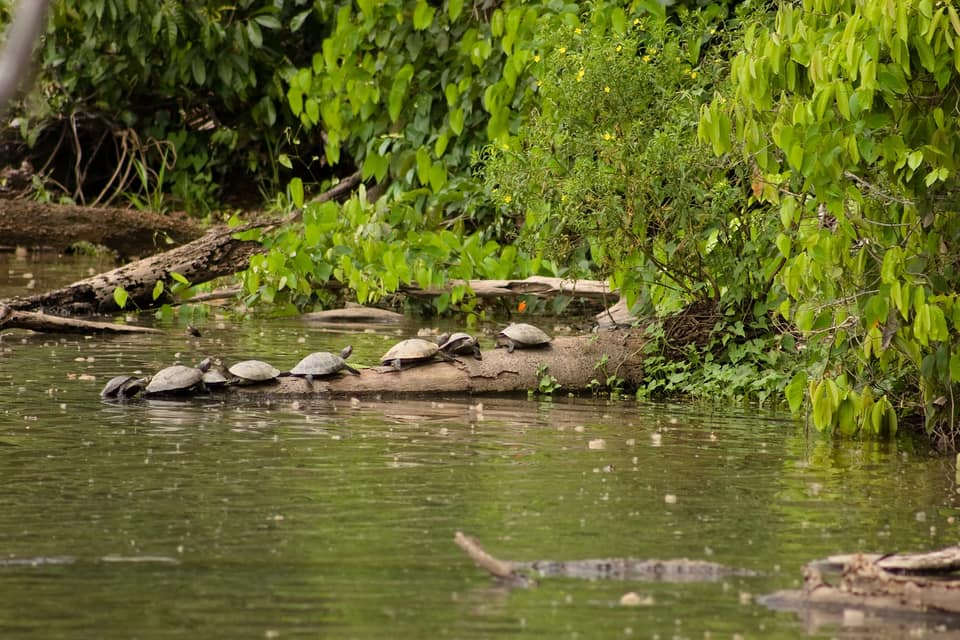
x=454, y=9
x=157, y=289
x=783, y=244
x=254, y=34
x=795, y=391
x=422, y=15
x=296, y=192
x=456, y=120
x=199, y=69
x=120, y=296
x=284, y=161
x=179, y=278
x=268, y=21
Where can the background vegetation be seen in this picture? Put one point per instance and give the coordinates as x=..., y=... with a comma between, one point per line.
x=782, y=176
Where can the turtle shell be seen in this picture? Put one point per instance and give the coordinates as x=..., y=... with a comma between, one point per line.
x=250, y=371
x=322, y=363
x=459, y=343
x=522, y=335
x=125, y=386
x=177, y=378
x=410, y=351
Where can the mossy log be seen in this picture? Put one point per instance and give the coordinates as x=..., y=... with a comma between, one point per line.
x=575, y=363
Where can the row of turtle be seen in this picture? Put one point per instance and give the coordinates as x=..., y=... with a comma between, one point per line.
x=418, y=350
x=181, y=378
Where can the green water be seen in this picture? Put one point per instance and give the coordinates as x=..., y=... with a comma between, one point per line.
x=205, y=519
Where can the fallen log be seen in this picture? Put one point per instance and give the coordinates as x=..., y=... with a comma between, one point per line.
x=11, y=319
x=892, y=584
x=540, y=286
x=521, y=574
x=574, y=364
x=128, y=233
x=217, y=253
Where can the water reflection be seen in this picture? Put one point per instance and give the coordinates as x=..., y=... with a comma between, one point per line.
x=296, y=518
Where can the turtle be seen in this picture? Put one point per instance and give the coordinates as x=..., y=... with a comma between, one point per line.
x=460, y=343
x=253, y=372
x=412, y=351
x=216, y=375
x=122, y=387
x=522, y=336
x=178, y=379
x=323, y=363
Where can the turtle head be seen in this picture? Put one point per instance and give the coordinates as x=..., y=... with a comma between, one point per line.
x=205, y=364
x=442, y=338
x=347, y=350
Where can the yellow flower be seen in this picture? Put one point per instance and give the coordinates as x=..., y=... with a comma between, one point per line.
x=636, y=21
x=653, y=51
x=619, y=48
x=577, y=31
x=508, y=198
x=693, y=75
x=536, y=57
x=562, y=50
x=563, y=197
x=646, y=58
x=606, y=89
x=608, y=136
x=505, y=146
x=580, y=75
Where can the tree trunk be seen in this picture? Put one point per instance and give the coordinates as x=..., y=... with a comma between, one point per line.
x=215, y=254
x=126, y=232
x=10, y=319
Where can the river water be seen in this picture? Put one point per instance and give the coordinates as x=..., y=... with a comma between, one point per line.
x=309, y=519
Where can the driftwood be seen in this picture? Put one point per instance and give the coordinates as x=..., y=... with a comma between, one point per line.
x=217, y=253
x=126, y=232
x=520, y=574
x=11, y=319
x=572, y=361
x=890, y=584
x=534, y=285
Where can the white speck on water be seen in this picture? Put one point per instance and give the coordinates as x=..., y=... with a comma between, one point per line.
x=598, y=443
x=656, y=439
x=670, y=498
x=746, y=597
x=921, y=516
x=631, y=442
x=579, y=428
x=633, y=599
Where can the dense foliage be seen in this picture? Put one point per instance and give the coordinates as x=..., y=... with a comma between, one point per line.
x=859, y=99
x=503, y=139
x=150, y=97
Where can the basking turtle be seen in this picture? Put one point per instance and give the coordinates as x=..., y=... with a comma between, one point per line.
x=253, y=372
x=522, y=336
x=216, y=375
x=323, y=363
x=411, y=352
x=459, y=343
x=178, y=378
x=122, y=387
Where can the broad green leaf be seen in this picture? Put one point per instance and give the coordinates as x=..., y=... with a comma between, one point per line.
x=120, y=296
x=296, y=192
x=795, y=391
